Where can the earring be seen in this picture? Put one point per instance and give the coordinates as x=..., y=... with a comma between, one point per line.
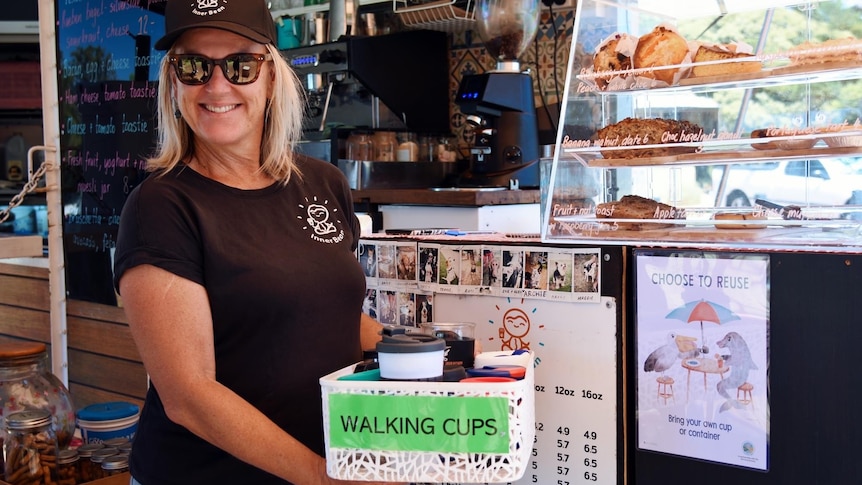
x=177, y=113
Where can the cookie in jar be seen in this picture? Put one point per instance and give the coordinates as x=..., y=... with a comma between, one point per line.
x=30, y=448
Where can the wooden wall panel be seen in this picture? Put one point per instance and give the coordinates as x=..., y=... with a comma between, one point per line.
x=107, y=338
x=24, y=323
x=104, y=364
x=84, y=395
x=111, y=375
x=24, y=291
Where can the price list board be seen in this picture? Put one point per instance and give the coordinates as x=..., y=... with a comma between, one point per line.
x=107, y=80
x=576, y=374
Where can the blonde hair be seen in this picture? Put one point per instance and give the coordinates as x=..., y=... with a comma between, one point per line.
x=282, y=124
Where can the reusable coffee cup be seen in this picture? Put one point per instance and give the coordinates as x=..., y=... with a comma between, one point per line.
x=505, y=370
x=488, y=379
x=410, y=357
x=460, y=343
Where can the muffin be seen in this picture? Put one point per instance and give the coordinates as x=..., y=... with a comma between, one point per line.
x=661, y=47
x=612, y=55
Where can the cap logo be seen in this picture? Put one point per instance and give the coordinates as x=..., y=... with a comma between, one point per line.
x=208, y=7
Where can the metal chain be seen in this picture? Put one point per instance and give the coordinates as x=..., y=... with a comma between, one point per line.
x=29, y=187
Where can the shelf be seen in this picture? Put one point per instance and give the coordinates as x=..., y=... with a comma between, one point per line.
x=20, y=246
x=820, y=225
x=593, y=159
x=323, y=7
x=812, y=239
x=463, y=197
x=779, y=76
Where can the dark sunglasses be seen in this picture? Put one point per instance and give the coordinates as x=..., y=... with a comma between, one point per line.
x=194, y=69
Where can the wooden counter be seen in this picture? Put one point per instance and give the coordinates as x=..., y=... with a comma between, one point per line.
x=121, y=479
x=474, y=198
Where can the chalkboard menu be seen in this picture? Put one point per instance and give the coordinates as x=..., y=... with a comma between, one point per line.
x=107, y=81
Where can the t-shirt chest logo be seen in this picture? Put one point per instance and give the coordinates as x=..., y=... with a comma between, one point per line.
x=323, y=223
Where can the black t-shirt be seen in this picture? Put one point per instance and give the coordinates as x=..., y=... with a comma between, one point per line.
x=286, y=293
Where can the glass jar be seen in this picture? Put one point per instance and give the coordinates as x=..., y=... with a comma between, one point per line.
x=427, y=145
x=30, y=448
x=87, y=471
x=385, y=143
x=125, y=448
x=97, y=458
x=360, y=146
x=67, y=467
x=26, y=383
x=408, y=149
x=117, y=443
x=115, y=465
x=445, y=151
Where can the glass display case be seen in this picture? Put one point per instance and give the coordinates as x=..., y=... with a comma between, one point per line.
x=726, y=123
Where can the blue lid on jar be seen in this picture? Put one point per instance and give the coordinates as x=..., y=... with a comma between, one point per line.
x=107, y=411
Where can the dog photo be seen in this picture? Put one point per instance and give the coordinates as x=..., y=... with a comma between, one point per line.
x=513, y=268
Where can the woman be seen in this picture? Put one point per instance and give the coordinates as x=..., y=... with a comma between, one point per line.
x=235, y=262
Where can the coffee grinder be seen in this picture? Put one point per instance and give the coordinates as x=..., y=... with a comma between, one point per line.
x=499, y=103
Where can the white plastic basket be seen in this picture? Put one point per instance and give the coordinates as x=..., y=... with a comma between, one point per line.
x=376, y=463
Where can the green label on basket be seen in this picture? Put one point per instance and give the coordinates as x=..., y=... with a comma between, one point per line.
x=419, y=423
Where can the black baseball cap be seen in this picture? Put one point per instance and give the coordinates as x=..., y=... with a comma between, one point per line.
x=248, y=18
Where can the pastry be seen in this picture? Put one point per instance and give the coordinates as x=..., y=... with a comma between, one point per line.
x=728, y=53
x=612, y=55
x=795, y=144
x=634, y=131
x=842, y=136
x=661, y=47
x=739, y=216
x=833, y=50
x=637, y=207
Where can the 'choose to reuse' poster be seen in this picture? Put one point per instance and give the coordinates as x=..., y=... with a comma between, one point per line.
x=702, y=324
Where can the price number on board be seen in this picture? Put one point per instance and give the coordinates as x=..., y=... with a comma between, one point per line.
x=591, y=449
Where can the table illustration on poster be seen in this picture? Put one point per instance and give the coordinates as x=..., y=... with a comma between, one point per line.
x=107, y=81
x=702, y=355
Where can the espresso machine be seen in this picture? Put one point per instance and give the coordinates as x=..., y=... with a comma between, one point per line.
x=499, y=104
x=396, y=82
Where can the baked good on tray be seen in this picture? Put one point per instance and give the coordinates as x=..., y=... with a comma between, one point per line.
x=637, y=207
x=737, y=217
x=632, y=132
x=723, y=52
x=661, y=47
x=841, y=136
x=833, y=50
x=612, y=55
x=788, y=144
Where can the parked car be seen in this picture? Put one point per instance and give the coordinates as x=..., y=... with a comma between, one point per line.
x=824, y=182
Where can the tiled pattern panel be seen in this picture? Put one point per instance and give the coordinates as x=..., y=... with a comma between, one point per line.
x=546, y=58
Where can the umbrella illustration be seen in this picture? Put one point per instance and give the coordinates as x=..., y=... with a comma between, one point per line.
x=703, y=311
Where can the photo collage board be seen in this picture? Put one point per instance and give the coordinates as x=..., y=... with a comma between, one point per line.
x=402, y=276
